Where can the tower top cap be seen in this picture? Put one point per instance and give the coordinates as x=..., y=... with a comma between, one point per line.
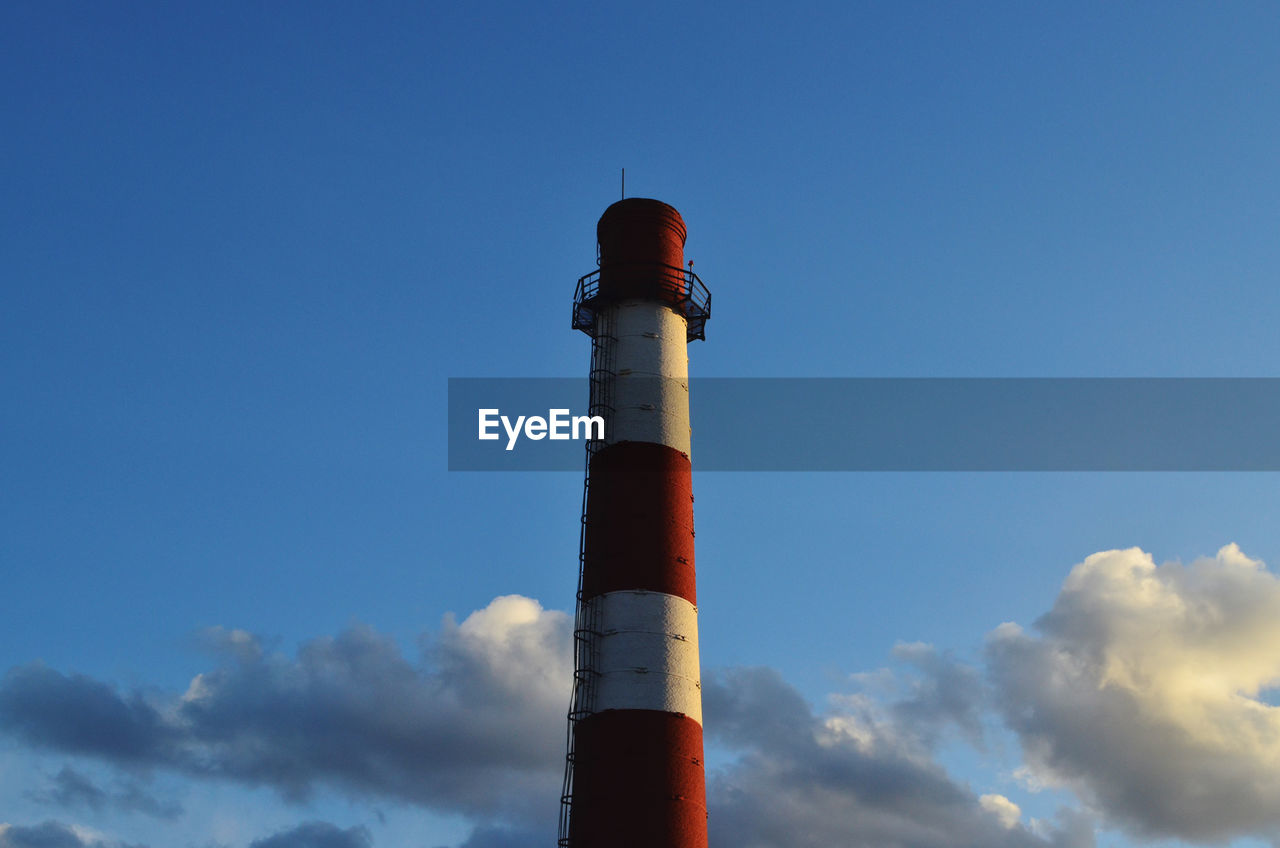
x=640, y=250
x=640, y=218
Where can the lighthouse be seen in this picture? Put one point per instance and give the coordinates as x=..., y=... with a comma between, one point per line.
x=634, y=775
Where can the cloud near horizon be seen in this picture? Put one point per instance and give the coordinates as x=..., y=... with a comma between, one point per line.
x=70, y=788
x=56, y=834
x=856, y=775
x=476, y=727
x=53, y=834
x=316, y=835
x=1144, y=691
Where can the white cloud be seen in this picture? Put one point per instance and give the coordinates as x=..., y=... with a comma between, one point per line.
x=514, y=645
x=1143, y=691
x=1007, y=812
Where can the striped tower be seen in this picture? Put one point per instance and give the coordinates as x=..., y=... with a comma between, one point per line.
x=634, y=777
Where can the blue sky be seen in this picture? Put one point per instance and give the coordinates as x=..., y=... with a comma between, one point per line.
x=243, y=247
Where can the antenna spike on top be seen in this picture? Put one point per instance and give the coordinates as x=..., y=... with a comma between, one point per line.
x=624, y=183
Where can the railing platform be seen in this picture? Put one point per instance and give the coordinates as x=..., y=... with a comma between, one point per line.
x=690, y=298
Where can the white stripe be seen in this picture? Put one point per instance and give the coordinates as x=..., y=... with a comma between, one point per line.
x=648, y=653
x=652, y=339
x=651, y=389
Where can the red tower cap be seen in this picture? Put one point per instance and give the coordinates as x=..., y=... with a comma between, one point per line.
x=641, y=250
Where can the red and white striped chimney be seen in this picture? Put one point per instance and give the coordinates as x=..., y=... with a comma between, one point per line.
x=635, y=776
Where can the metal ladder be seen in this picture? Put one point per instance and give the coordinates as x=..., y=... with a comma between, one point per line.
x=586, y=627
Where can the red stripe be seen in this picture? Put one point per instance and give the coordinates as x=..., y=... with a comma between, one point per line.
x=638, y=782
x=640, y=522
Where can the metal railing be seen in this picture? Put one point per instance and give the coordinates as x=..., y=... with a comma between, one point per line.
x=681, y=286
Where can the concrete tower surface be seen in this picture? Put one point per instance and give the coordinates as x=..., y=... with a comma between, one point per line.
x=634, y=776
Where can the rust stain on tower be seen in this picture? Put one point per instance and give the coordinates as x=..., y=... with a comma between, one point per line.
x=634, y=775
